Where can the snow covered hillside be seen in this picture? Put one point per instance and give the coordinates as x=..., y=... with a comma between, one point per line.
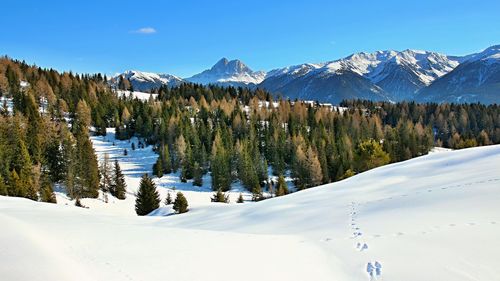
x=140, y=161
x=435, y=217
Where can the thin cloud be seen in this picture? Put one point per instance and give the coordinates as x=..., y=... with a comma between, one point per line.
x=145, y=30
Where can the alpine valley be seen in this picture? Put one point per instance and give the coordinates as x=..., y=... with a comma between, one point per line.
x=422, y=76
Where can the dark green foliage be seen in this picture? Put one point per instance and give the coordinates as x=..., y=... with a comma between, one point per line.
x=220, y=197
x=118, y=187
x=158, y=168
x=221, y=166
x=168, y=200
x=3, y=186
x=148, y=198
x=180, y=203
x=197, y=174
x=166, y=161
x=15, y=187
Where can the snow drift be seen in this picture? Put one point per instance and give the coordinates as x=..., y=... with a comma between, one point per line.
x=436, y=217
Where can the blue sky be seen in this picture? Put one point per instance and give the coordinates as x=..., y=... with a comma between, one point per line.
x=186, y=37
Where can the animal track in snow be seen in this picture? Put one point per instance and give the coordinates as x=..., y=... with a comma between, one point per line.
x=374, y=270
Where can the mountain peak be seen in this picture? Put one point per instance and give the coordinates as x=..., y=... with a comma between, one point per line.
x=222, y=62
x=233, y=72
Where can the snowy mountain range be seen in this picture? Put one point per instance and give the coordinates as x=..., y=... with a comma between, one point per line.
x=382, y=75
x=477, y=78
x=145, y=81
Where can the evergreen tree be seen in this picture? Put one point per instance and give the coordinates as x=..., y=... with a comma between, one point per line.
x=47, y=193
x=220, y=197
x=180, y=203
x=86, y=171
x=166, y=160
x=282, y=187
x=3, y=187
x=158, y=168
x=197, y=175
x=220, y=164
x=257, y=193
x=119, y=186
x=15, y=187
x=370, y=154
x=148, y=198
x=168, y=200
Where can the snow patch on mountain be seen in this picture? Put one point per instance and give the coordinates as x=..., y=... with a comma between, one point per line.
x=145, y=81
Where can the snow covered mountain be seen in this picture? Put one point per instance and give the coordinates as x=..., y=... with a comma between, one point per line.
x=225, y=72
x=476, y=79
x=386, y=75
x=383, y=75
x=145, y=81
x=373, y=226
x=318, y=82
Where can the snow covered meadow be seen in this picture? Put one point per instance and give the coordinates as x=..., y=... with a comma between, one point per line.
x=435, y=217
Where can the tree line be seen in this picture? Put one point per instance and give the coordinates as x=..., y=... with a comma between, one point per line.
x=226, y=132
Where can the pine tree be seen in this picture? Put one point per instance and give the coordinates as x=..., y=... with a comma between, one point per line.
x=47, y=193
x=220, y=197
x=119, y=186
x=180, y=203
x=197, y=175
x=158, y=168
x=15, y=187
x=148, y=198
x=281, y=188
x=3, y=187
x=257, y=193
x=220, y=164
x=168, y=200
x=86, y=171
x=166, y=160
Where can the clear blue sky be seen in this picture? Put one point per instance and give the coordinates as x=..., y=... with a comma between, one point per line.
x=186, y=37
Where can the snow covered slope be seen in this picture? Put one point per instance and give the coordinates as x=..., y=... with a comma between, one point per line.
x=225, y=72
x=436, y=217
